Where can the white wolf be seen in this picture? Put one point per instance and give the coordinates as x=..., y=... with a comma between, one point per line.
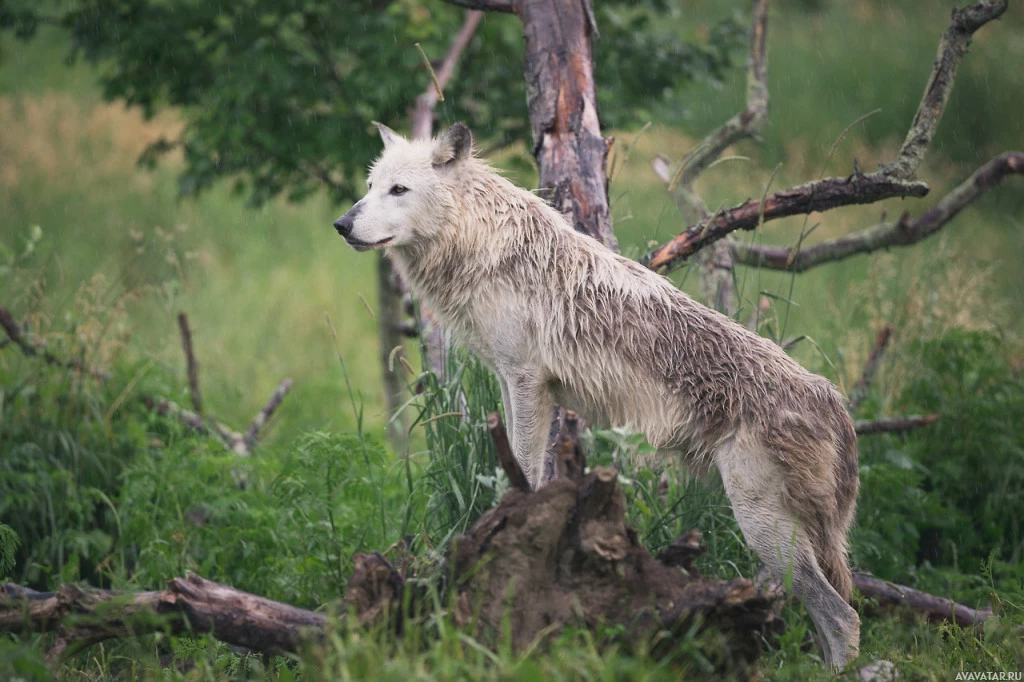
x=559, y=317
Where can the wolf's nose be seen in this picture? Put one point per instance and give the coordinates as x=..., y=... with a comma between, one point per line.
x=343, y=225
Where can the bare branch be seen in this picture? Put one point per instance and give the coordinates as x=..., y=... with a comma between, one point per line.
x=189, y=605
x=717, y=274
x=890, y=181
x=503, y=449
x=894, y=424
x=952, y=48
x=860, y=389
x=818, y=195
x=936, y=608
x=232, y=439
x=750, y=121
x=264, y=415
x=423, y=115
x=33, y=348
x=485, y=5
x=192, y=367
x=391, y=344
x=903, y=232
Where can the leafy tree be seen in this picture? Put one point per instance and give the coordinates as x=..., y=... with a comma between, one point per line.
x=278, y=95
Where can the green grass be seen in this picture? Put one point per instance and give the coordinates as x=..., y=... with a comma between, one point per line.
x=104, y=492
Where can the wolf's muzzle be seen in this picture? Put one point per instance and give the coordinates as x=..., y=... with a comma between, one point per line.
x=344, y=224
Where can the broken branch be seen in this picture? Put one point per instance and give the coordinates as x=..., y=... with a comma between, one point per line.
x=32, y=348
x=188, y=605
x=232, y=439
x=860, y=389
x=817, y=195
x=890, y=181
x=486, y=5
x=264, y=415
x=503, y=449
x=894, y=424
x=747, y=123
x=423, y=115
x=717, y=273
x=952, y=48
x=192, y=367
x=934, y=607
x=903, y=232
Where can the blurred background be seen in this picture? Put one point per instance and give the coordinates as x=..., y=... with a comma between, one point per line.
x=156, y=159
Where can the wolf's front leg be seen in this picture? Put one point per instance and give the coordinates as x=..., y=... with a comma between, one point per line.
x=528, y=406
x=506, y=401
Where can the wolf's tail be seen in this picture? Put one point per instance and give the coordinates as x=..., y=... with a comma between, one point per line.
x=830, y=544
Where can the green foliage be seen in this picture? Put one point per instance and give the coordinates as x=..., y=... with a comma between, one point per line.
x=974, y=455
x=279, y=95
x=282, y=524
x=9, y=542
x=952, y=494
x=62, y=447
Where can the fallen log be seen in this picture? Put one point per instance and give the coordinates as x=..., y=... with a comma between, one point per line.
x=935, y=608
x=80, y=616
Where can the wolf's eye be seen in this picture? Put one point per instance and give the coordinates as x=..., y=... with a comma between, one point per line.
x=399, y=190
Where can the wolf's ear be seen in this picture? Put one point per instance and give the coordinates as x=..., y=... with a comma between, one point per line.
x=453, y=146
x=389, y=136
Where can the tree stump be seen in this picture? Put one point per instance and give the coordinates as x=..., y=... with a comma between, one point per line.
x=564, y=556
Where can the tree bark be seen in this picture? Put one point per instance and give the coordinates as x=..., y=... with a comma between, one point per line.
x=903, y=232
x=894, y=424
x=936, y=608
x=567, y=140
x=818, y=195
x=191, y=604
x=392, y=337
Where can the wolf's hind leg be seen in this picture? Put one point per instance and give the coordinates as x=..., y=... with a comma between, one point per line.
x=755, y=486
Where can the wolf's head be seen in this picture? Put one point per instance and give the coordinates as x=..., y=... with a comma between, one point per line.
x=409, y=190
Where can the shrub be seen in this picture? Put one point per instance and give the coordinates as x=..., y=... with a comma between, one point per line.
x=951, y=494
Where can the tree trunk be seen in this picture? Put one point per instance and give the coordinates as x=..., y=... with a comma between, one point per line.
x=567, y=140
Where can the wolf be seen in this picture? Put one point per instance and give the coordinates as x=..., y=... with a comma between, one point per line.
x=561, y=319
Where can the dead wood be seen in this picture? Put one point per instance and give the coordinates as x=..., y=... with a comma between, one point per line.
x=566, y=557
x=716, y=273
x=503, y=449
x=894, y=424
x=903, y=232
x=426, y=103
x=80, y=616
x=816, y=196
x=562, y=97
x=241, y=444
x=860, y=389
x=935, y=608
x=563, y=555
x=892, y=180
x=191, y=366
x=33, y=348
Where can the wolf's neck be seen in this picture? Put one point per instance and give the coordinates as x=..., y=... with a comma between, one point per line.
x=499, y=228
x=442, y=276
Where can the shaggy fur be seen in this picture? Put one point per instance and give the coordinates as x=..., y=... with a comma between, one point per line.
x=560, y=318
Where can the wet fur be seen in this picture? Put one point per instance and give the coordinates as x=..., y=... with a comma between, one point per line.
x=560, y=318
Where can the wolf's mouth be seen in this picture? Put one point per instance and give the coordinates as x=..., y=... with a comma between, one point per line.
x=366, y=246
